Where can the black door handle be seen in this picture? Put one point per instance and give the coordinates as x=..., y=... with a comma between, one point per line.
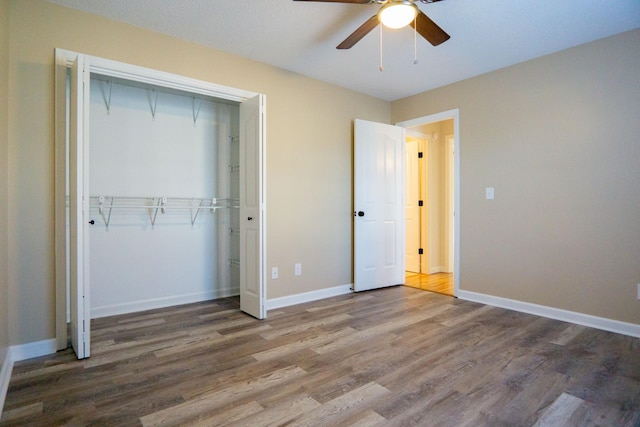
x=92, y=222
x=250, y=218
x=360, y=213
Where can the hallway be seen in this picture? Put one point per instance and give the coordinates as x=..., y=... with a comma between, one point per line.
x=441, y=283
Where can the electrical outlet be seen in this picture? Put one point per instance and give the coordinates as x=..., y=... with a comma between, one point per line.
x=489, y=193
x=274, y=272
x=298, y=269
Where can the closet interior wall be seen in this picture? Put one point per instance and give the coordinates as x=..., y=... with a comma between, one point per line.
x=164, y=185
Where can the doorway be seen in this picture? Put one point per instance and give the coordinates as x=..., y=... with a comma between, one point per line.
x=431, y=201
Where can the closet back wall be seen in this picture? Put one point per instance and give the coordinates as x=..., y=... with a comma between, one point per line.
x=149, y=144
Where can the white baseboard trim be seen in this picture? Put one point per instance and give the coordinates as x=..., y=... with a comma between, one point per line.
x=150, y=304
x=33, y=349
x=5, y=376
x=610, y=325
x=274, y=303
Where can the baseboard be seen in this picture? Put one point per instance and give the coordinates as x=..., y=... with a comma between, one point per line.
x=5, y=375
x=434, y=270
x=610, y=325
x=150, y=304
x=33, y=349
x=289, y=300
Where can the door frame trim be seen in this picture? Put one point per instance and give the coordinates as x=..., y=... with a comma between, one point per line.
x=438, y=117
x=63, y=61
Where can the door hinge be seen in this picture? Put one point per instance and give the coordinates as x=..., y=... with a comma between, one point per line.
x=420, y=203
x=420, y=251
x=420, y=155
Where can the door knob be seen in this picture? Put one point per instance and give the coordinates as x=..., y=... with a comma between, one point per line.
x=250, y=218
x=92, y=222
x=360, y=213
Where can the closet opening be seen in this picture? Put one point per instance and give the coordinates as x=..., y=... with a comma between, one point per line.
x=164, y=197
x=159, y=193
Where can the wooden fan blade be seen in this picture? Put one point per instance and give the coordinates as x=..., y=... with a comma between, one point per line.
x=429, y=29
x=340, y=1
x=358, y=34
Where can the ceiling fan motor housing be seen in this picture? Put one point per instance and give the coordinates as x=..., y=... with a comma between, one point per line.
x=397, y=13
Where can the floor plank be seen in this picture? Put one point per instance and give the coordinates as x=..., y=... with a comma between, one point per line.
x=396, y=356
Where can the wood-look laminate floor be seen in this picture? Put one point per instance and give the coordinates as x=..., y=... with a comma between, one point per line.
x=441, y=283
x=392, y=357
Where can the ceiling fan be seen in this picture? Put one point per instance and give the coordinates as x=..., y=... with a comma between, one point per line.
x=394, y=14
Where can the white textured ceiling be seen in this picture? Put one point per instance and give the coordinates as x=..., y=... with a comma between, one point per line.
x=301, y=36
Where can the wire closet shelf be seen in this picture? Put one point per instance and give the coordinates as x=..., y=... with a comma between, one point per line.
x=154, y=204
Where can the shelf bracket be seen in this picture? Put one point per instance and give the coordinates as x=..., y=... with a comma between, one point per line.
x=153, y=102
x=197, y=102
x=106, y=97
x=194, y=217
x=101, y=208
x=213, y=206
x=160, y=205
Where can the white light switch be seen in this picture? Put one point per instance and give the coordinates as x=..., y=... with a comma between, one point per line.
x=489, y=193
x=274, y=273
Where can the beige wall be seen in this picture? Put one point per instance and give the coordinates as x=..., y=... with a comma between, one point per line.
x=4, y=112
x=309, y=145
x=559, y=139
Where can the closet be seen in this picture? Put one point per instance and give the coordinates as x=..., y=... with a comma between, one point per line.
x=164, y=197
x=159, y=193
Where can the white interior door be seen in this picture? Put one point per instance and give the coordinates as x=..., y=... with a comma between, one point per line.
x=412, y=209
x=379, y=201
x=78, y=207
x=252, y=214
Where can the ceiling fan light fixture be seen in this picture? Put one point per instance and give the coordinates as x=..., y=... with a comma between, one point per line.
x=397, y=14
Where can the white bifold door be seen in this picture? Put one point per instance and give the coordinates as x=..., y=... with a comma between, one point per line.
x=252, y=294
x=379, y=198
x=80, y=314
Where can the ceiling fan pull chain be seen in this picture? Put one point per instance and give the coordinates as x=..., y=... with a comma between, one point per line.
x=415, y=40
x=381, y=67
